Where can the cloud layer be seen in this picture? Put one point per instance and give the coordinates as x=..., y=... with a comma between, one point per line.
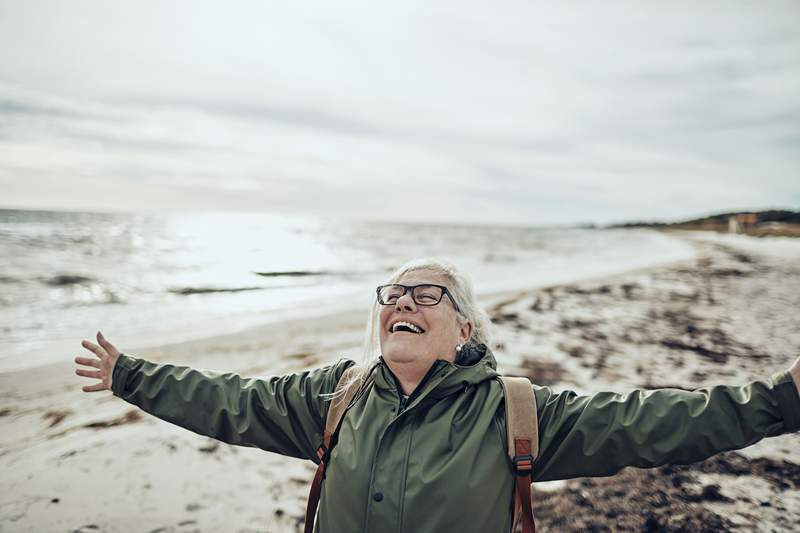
x=537, y=113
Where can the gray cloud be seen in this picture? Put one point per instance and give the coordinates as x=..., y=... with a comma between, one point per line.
x=530, y=113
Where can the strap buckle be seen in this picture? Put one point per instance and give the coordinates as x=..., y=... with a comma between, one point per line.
x=323, y=454
x=523, y=464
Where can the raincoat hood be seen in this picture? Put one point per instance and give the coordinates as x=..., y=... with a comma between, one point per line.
x=475, y=364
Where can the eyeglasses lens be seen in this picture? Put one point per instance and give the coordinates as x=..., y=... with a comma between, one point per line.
x=422, y=294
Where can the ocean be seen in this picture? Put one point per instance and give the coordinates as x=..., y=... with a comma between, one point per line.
x=161, y=278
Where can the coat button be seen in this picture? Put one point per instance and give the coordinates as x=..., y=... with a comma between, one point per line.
x=378, y=496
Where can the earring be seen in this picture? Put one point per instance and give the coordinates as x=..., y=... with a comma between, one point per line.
x=458, y=348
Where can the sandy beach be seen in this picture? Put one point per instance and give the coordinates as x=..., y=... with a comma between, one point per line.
x=73, y=461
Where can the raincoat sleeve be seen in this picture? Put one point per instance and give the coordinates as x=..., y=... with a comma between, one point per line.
x=283, y=414
x=599, y=435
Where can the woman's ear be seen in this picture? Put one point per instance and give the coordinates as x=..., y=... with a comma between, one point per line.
x=466, y=332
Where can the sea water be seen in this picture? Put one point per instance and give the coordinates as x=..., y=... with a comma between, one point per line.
x=171, y=277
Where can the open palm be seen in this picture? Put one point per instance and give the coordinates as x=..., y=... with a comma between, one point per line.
x=102, y=365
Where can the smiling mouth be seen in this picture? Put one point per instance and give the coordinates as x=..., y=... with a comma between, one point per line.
x=406, y=327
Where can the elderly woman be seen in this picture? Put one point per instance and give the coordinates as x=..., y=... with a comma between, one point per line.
x=422, y=448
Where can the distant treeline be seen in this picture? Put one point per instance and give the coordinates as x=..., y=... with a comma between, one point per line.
x=785, y=217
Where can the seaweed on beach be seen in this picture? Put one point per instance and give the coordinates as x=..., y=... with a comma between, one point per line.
x=56, y=416
x=702, y=317
x=673, y=311
x=128, y=417
x=61, y=280
x=665, y=499
x=541, y=372
x=634, y=500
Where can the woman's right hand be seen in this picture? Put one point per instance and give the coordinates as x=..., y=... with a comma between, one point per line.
x=102, y=365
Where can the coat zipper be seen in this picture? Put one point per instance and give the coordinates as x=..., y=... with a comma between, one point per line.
x=400, y=411
x=404, y=402
x=405, y=479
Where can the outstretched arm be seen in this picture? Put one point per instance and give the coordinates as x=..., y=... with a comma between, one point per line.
x=599, y=435
x=281, y=414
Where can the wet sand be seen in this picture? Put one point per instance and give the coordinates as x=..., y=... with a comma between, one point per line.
x=90, y=462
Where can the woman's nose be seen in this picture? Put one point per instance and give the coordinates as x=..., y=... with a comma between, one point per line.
x=405, y=303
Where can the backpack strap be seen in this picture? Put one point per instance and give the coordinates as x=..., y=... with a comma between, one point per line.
x=523, y=444
x=346, y=389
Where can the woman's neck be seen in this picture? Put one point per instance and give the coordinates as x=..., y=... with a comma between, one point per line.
x=409, y=374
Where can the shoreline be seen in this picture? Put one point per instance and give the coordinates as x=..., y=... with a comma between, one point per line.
x=256, y=326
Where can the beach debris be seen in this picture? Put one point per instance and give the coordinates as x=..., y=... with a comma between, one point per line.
x=299, y=355
x=186, y=291
x=576, y=323
x=731, y=272
x=628, y=289
x=783, y=475
x=712, y=493
x=56, y=416
x=293, y=273
x=87, y=527
x=541, y=372
x=714, y=356
x=670, y=498
x=66, y=279
x=505, y=317
x=605, y=504
x=130, y=416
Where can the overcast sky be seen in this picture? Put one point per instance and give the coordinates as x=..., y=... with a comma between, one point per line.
x=514, y=112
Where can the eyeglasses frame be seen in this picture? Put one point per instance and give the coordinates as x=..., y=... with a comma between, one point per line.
x=412, y=288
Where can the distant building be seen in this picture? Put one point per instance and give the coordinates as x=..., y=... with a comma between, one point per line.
x=742, y=222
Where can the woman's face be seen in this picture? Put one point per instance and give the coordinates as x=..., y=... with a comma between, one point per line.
x=441, y=331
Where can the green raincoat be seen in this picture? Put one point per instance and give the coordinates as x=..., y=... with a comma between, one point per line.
x=438, y=462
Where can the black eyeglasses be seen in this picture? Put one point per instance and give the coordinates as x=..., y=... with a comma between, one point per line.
x=425, y=294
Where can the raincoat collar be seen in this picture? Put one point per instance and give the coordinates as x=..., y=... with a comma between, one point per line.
x=475, y=364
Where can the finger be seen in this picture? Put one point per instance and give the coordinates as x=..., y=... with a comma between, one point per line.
x=110, y=349
x=93, y=388
x=89, y=373
x=98, y=351
x=87, y=361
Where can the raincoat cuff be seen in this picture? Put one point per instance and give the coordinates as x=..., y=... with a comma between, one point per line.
x=119, y=377
x=788, y=400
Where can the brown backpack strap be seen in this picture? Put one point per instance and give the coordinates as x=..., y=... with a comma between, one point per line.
x=523, y=444
x=339, y=404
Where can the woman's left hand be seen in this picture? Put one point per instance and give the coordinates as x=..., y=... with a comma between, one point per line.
x=102, y=366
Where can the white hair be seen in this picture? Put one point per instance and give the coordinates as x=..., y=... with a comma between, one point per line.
x=460, y=288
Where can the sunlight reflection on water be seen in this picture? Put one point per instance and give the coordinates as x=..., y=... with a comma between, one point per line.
x=65, y=275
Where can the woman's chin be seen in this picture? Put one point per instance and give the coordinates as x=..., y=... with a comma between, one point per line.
x=401, y=354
